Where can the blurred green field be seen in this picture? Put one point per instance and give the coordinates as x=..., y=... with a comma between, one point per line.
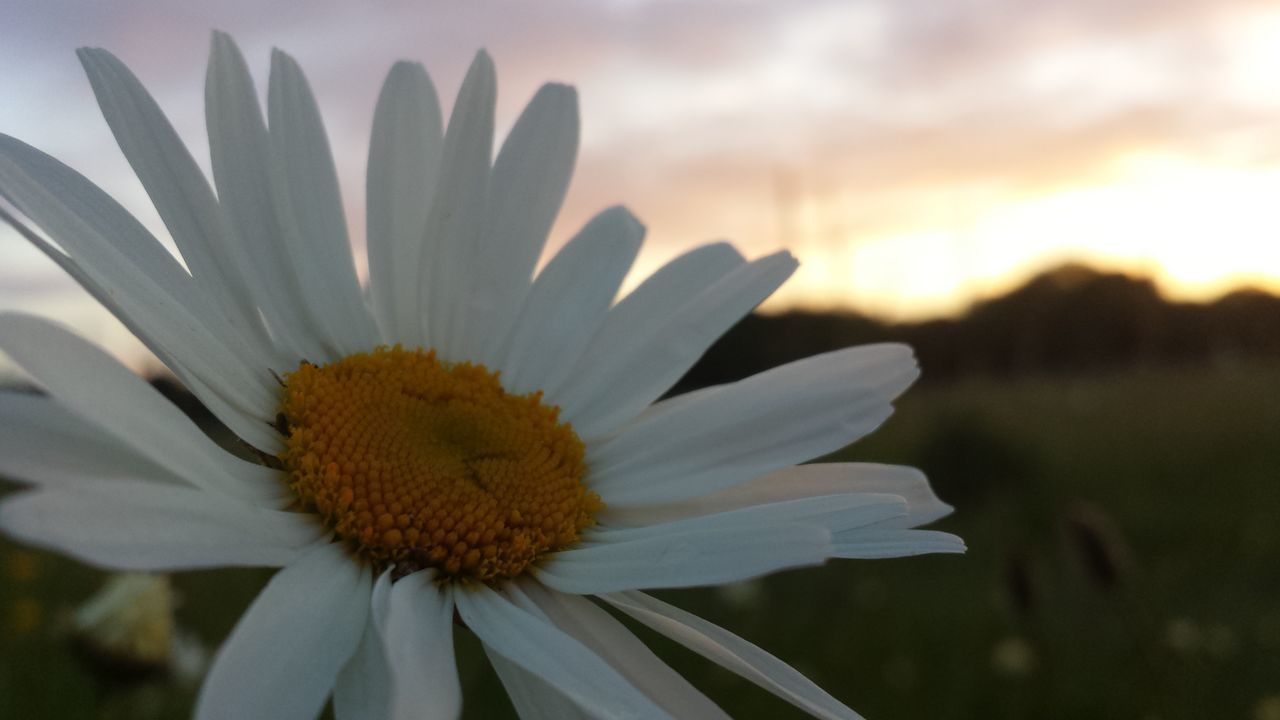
x=1123, y=534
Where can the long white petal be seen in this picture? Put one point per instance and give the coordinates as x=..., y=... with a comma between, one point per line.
x=862, y=524
x=418, y=639
x=645, y=311
x=540, y=648
x=628, y=379
x=137, y=278
x=248, y=422
x=887, y=542
x=404, y=158
x=131, y=525
x=251, y=192
x=176, y=185
x=45, y=444
x=801, y=481
x=685, y=558
x=255, y=426
x=363, y=688
x=532, y=697
x=453, y=225
x=98, y=388
x=614, y=643
x=527, y=187
x=327, y=271
x=569, y=300
x=284, y=655
x=731, y=652
x=678, y=450
x=836, y=513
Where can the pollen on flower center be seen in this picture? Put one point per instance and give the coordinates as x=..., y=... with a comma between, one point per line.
x=426, y=464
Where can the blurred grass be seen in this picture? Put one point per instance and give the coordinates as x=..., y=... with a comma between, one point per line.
x=1123, y=564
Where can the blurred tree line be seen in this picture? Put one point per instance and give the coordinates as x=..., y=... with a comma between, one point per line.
x=1070, y=320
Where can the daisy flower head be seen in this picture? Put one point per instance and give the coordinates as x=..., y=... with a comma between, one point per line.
x=463, y=442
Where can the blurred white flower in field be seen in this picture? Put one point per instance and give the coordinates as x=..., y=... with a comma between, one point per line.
x=131, y=617
x=128, y=628
x=742, y=595
x=1183, y=635
x=1013, y=656
x=466, y=441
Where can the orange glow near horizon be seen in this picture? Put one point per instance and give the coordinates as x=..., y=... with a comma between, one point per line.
x=1200, y=231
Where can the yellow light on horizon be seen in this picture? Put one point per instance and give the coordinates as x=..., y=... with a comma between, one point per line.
x=1199, y=230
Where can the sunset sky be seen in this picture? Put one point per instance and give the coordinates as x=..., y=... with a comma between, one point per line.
x=915, y=155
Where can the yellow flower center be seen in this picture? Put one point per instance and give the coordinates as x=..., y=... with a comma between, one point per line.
x=424, y=464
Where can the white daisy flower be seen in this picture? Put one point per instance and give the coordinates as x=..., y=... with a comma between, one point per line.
x=465, y=442
x=127, y=631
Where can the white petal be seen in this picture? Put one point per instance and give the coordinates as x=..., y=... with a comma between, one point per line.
x=117, y=260
x=417, y=636
x=251, y=192
x=327, y=271
x=801, y=481
x=247, y=422
x=569, y=300
x=98, y=388
x=886, y=542
x=531, y=696
x=380, y=602
x=255, y=427
x=363, y=689
x=540, y=648
x=526, y=190
x=678, y=450
x=862, y=524
x=133, y=525
x=645, y=311
x=404, y=156
x=177, y=187
x=46, y=444
x=453, y=225
x=732, y=652
x=686, y=558
x=285, y=653
x=630, y=377
x=614, y=643
x=835, y=513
